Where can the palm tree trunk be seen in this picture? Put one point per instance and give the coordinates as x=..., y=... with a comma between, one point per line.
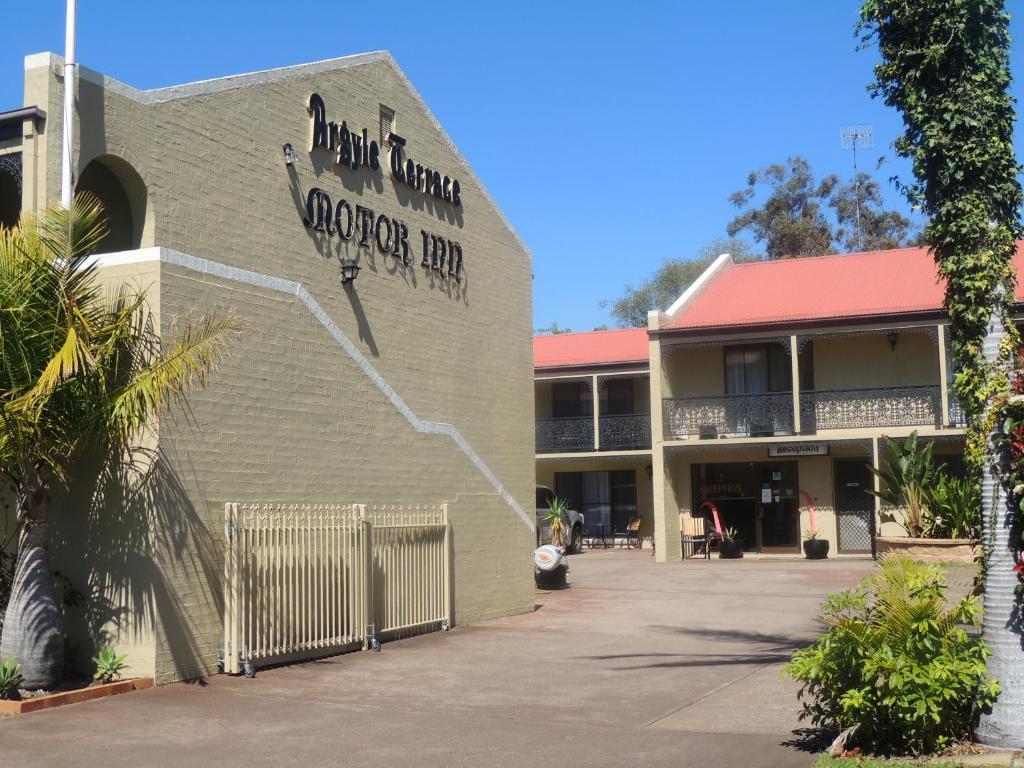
x=1004, y=725
x=33, y=632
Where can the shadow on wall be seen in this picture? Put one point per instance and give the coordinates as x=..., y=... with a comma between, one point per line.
x=123, y=532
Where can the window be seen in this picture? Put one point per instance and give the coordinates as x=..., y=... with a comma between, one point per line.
x=544, y=497
x=387, y=125
x=617, y=397
x=806, y=361
x=571, y=399
x=756, y=370
x=607, y=500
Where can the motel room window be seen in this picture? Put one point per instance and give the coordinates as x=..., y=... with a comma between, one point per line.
x=617, y=397
x=756, y=370
x=605, y=499
x=571, y=399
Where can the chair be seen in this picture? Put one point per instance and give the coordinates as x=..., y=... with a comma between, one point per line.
x=698, y=536
x=630, y=535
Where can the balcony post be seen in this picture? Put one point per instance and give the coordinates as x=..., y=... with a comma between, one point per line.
x=794, y=361
x=943, y=376
x=596, y=395
x=877, y=485
x=667, y=538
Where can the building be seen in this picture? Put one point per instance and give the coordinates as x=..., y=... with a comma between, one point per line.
x=409, y=385
x=593, y=437
x=772, y=386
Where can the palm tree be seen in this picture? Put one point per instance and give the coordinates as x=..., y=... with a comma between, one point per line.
x=80, y=367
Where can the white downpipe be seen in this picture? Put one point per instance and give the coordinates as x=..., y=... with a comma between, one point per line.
x=69, y=103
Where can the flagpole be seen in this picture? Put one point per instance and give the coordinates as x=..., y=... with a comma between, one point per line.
x=69, y=102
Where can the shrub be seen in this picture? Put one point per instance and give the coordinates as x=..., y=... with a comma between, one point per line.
x=897, y=662
x=955, y=510
x=906, y=477
x=10, y=678
x=109, y=666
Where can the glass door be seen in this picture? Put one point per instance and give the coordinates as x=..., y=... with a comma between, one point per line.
x=778, y=503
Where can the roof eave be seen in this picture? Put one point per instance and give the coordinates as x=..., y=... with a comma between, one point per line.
x=818, y=322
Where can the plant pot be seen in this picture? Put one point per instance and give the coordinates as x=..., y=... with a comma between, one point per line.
x=730, y=549
x=816, y=549
x=553, y=579
x=926, y=550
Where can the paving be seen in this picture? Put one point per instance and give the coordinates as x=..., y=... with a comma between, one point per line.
x=636, y=663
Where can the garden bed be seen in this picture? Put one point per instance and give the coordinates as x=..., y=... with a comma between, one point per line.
x=926, y=550
x=51, y=700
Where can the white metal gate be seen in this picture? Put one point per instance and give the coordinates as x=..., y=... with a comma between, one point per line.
x=308, y=580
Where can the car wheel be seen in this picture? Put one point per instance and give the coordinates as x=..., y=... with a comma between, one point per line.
x=576, y=542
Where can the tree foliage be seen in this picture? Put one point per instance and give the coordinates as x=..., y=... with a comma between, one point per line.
x=670, y=280
x=802, y=216
x=80, y=369
x=863, y=223
x=553, y=330
x=945, y=67
x=792, y=220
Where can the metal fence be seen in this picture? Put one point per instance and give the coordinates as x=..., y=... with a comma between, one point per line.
x=306, y=580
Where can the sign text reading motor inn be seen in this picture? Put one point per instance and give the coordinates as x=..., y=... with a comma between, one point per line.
x=354, y=149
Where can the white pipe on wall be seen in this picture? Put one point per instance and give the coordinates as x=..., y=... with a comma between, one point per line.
x=69, y=102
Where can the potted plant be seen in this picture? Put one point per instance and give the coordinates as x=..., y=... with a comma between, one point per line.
x=556, y=528
x=815, y=548
x=939, y=512
x=730, y=547
x=553, y=578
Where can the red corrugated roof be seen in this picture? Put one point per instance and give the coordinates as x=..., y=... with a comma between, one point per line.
x=595, y=348
x=820, y=288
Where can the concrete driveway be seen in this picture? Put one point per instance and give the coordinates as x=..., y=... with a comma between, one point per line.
x=670, y=665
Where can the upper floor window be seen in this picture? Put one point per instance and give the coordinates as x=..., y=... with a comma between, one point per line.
x=617, y=397
x=756, y=370
x=570, y=399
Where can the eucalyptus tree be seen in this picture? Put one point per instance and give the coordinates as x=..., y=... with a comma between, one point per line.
x=945, y=66
x=80, y=368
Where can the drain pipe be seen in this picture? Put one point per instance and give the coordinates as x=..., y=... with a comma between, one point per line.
x=69, y=102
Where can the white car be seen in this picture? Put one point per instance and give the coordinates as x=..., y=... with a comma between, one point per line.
x=572, y=522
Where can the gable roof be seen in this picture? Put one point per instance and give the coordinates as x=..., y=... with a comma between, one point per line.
x=53, y=61
x=902, y=281
x=562, y=350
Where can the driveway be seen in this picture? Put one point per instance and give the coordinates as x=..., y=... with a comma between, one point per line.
x=637, y=663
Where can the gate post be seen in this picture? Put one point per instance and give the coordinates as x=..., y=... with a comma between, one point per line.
x=449, y=586
x=366, y=533
x=231, y=651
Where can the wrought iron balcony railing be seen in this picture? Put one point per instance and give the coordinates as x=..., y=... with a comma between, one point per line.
x=957, y=417
x=755, y=415
x=625, y=433
x=565, y=434
x=875, y=407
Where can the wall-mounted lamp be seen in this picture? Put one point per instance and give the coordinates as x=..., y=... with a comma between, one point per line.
x=349, y=271
x=650, y=472
x=290, y=157
x=892, y=338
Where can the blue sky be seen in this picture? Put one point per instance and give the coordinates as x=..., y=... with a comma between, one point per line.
x=610, y=133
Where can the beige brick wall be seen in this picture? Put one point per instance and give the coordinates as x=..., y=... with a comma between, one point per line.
x=290, y=416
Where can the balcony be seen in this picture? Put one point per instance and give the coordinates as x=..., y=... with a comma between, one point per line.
x=565, y=435
x=576, y=435
x=625, y=433
x=758, y=415
x=870, y=408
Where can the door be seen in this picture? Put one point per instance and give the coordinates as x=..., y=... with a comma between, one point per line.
x=855, y=507
x=778, y=505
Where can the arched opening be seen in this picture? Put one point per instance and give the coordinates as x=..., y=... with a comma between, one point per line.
x=123, y=194
x=10, y=189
